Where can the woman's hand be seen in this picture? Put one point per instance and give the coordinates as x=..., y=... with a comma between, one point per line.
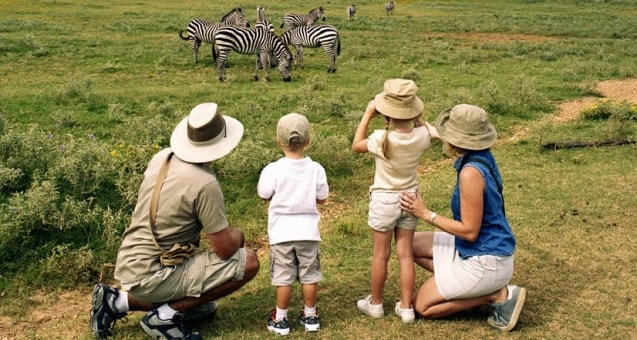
x=413, y=204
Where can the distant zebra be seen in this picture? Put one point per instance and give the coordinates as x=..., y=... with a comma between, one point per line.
x=351, y=11
x=292, y=20
x=252, y=41
x=314, y=36
x=389, y=8
x=262, y=22
x=200, y=30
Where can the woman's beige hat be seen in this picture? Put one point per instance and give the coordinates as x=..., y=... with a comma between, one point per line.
x=398, y=99
x=205, y=135
x=467, y=127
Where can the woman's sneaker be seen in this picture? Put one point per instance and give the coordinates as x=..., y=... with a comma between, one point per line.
x=365, y=306
x=406, y=314
x=506, y=313
x=103, y=312
x=280, y=327
x=166, y=329
x=312, y=323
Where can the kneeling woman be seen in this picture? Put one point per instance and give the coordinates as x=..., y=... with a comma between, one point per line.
x=472, y=254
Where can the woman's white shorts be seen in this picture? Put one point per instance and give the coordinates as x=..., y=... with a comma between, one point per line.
x=458, y=278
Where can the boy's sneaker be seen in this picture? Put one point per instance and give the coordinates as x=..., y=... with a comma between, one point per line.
x=204, y=312
x=280, y=327
x=365, y=306
x=406, y=314
x=312, y=323
x=166, y=329
x=103, y=312
x=506, y=314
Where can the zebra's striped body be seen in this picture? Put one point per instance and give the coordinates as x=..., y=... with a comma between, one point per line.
x=252, y=41
x=314, y=36
x=351, y=11
x=292, y=20
x=200, y=30
x=389, y=8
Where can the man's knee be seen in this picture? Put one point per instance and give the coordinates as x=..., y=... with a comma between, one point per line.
x=252, y=265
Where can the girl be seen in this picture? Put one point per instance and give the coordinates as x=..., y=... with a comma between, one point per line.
x=397, y=150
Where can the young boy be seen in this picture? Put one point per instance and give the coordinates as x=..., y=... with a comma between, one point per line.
x=294, y=185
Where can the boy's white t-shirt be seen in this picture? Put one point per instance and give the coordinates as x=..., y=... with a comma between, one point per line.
x=293, y=185
x=399, y=173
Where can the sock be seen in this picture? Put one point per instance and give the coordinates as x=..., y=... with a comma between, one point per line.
x=281, y=313
x=309, y=311
x=164, y=312
x=121, y=303
x=509, y=292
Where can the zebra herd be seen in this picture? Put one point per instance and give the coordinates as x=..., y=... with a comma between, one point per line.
x=233, y=33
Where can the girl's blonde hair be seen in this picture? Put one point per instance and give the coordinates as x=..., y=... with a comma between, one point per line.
x=385, y=146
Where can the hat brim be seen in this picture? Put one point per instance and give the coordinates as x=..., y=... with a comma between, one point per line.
x=202, y=152
x=461, y=140
x=389, y=110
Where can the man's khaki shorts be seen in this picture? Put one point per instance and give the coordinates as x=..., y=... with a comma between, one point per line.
x=197, y=275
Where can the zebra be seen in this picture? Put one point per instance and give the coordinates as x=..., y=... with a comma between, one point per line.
x=263, y=23
x=252, y=41
x=351, y=11
x=200, y=30
x=389, y=8
x=292, y=20
x=314, y=36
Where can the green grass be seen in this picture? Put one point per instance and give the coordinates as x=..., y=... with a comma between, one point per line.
x=118, y=72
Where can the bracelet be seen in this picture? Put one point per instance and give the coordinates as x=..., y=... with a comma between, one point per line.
x=432, y=216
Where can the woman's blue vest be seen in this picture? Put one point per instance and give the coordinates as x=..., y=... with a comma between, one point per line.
x=496, y=236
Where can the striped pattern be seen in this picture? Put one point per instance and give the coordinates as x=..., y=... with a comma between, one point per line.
x=389, y=8
x=252, y=41
x=314, y=36
x=200, y=30
x=292, y=20
x=262, y=22
x=351, y=11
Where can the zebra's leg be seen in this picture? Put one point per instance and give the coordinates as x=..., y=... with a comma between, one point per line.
x=259, y=67
x=221, y=64
x=299, y=55
x=195, y=48
x=265, y=62
x=332, y=56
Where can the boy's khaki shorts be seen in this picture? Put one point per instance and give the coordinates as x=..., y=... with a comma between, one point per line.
x=295, y=260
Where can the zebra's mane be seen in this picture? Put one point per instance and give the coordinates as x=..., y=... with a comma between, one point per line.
x=237, y=9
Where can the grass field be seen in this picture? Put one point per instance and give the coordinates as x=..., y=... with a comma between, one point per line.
x=91, y=89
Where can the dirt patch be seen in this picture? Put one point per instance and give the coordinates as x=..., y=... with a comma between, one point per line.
x=612, y=89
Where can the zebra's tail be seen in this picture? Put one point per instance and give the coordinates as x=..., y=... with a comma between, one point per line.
x=214, y=53
x=282, y=24
x=338, y=47
x=181, y=36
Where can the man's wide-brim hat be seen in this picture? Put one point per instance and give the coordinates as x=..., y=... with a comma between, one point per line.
x=205, y=135
x=398, y=99
x=467, y=127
